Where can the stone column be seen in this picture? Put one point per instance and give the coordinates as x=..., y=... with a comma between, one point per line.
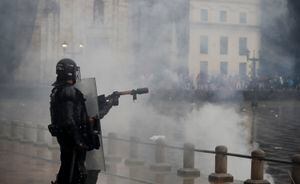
x=5, y=134
x=29, y=137
x=54, y=150
x=160, y=152
x=160, y=168
x=17, y=130
x=296, y=169
x=112, y=157
x=220, y=175
x=257, y=168
x=112, y=149
x=134, y=164
x=17, y=134
x=42, y=149
x=188, y=169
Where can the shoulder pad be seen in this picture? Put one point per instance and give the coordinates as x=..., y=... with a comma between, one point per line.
x=68, y=93
x=53, y=94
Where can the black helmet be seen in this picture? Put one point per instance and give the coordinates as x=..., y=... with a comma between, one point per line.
x=66, y=69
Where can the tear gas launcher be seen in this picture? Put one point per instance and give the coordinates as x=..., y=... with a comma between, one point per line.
x=106, y=102
x=133, y=92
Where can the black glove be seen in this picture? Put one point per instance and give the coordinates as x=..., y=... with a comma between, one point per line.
x=115, y=98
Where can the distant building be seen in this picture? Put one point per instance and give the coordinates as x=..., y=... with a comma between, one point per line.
x=74, y=29
x=221, y=32
x=203, y=37
x=59, y=31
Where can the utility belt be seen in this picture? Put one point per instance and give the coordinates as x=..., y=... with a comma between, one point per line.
x=56, y=130
x=90, y=138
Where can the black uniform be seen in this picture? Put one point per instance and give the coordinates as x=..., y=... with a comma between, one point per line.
x=69, y=124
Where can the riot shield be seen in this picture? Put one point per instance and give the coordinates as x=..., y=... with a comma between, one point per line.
x=95, y=158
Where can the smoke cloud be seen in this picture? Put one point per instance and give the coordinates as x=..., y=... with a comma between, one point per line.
x=144, y=60
x=17, y=19
x=152, y=23
x=277, y=39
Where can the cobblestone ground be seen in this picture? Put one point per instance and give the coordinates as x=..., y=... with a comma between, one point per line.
x=19, y=169
x=16, y=168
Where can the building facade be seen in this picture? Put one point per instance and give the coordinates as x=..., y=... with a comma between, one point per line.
x=204, y=37
x=221, y=34
x=73, y=29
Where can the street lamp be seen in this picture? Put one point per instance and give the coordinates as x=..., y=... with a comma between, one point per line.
x=70, y=51
x=64, y=45
x=254, y=102
x=254, y=59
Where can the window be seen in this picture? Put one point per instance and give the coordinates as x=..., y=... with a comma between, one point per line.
x=223, y=16
x=204, y=44
x=242, y=70
x=243, y=18
x=224, y=68
x=204, y=15
x=224, y=45
x=243, y=49
x=203, y=68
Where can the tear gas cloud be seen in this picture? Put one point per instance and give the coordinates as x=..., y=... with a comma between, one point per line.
x=146, y=62
x=15, y=31
x=206, y=126
x=277, y=40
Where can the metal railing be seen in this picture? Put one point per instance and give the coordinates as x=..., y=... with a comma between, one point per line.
x=38, y=135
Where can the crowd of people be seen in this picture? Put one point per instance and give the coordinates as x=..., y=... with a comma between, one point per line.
x=237, y=82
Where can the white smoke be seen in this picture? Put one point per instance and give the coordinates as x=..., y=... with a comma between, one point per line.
x=207, y=126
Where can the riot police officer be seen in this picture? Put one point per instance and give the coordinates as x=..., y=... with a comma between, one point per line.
x=69, y=123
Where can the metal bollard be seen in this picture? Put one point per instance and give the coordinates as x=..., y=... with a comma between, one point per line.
x=188, y=169
x=133, y=159
x=220, y=175
x=160, y=152
x=257, y=168
x=296, y=169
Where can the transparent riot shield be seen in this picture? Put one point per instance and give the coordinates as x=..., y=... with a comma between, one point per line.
x=95, y=158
